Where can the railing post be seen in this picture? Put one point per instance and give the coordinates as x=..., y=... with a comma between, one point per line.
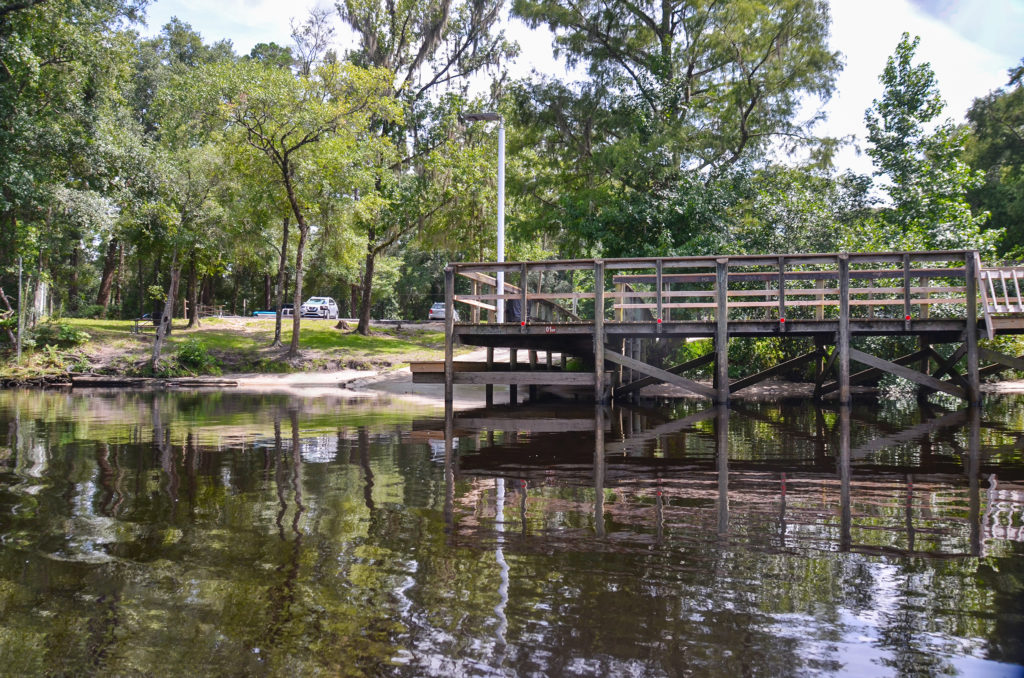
x=819, y=310
x=449, y=334
x=599, y=395
x=782, y=293
x=906, y=291
x=722, y=330
x=524, y=314
x=658, y=272
x=971, y=329
x=843, y=336
x=474, y=315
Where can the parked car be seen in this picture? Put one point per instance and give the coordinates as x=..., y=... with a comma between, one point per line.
x=320, y=307
x=436, y=312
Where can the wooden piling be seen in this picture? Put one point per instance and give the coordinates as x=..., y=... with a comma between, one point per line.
x=722, y=331
x=449, y=334
x=971, y=328
x=489, y=388
x=843, y=336
x=513, y=362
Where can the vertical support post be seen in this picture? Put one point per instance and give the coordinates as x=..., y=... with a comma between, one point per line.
x=449, y=334
x=599, y=331
x=971, y=329
x=501, y=219
x=533, y=367
x=489, y=388
x=819, y=310
x=475, y=313
x=524, y=313
x=843, y=336
x=658, y=285
x=513, y=364
x=906, y=290
x=782, y=293
x=722, y=330
x=449, y=468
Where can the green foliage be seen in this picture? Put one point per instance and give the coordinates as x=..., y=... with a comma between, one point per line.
x=996, y=147
x=928, y=178
x=62, y=335
x=193, y=356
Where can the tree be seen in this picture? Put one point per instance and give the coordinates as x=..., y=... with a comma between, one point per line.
x=309, y=130
x=426, y=47
x=996, y=147
x=678, y=94
x=928, y=180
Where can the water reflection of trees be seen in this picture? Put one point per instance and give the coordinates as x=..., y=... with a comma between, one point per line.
x=300, y=546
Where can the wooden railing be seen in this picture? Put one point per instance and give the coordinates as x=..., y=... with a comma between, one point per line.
x=890, y=285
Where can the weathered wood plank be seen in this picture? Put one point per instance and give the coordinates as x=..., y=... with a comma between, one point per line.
x=663, y=375
x=677, y=369
x=1001, y=359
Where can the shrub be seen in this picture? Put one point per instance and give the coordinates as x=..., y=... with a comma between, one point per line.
x=193, y=357
x=60, y=335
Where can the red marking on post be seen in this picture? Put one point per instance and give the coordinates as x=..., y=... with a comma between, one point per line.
x=782, y=320
x=523, y=323
x=907, y=318
x=659, y=321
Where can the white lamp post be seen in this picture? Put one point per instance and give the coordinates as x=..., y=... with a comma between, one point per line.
x=472, y=117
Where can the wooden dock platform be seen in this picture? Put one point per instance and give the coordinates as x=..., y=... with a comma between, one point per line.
x=601, y=317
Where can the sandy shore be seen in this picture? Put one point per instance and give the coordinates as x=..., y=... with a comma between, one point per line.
x=398, y=382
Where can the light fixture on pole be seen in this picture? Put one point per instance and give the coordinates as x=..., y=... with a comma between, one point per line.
x=490, y=117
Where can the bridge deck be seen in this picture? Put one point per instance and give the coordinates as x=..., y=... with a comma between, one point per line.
x=607, y=309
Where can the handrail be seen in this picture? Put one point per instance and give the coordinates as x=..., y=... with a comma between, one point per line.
x=754, y=284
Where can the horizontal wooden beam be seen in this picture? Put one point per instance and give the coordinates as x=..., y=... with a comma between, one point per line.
x=906, y=373
x=663, y=375
x=539, y=378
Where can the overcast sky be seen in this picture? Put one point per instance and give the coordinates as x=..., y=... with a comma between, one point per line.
x=969, y=43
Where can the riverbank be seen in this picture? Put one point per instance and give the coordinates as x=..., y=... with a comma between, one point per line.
x=60, y=352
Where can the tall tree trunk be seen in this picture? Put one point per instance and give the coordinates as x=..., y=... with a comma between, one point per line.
x=142, y=285
x=364, y=311
x=193, y=293
x=118, y=301
x=76, y=256
x=353, y=292
x=107, y=277
x=164, y=328
x=279, y=289
x=267, y=290
x=293, y=348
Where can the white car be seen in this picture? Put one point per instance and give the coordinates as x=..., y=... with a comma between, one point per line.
x=320, y=307
x=437, y=312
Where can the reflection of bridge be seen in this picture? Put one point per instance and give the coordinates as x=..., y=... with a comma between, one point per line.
x=613, y=311
x=826, y=487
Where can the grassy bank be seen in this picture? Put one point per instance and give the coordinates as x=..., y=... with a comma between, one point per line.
x=220, y=345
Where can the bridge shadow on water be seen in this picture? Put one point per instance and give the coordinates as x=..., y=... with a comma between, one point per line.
x=923, y=481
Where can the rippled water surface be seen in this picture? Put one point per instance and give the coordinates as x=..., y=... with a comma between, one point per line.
x=234, y=534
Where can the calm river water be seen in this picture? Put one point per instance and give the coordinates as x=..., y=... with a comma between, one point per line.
x=233, y=534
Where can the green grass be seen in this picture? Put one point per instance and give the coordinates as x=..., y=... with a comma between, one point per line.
x=241, y=344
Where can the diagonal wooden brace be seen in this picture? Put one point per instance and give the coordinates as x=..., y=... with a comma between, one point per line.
x=906, y=373
x=660, y=374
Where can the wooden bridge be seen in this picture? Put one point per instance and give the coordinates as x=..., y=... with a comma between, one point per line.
x=614, y=313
